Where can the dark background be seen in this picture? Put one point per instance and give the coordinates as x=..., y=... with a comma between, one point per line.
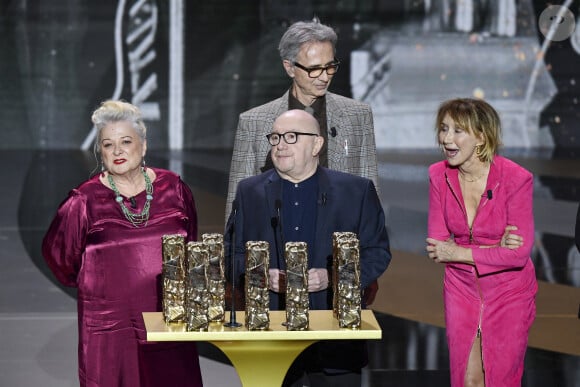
x=57, y=64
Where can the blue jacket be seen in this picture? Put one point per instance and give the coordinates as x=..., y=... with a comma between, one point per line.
x=346, y=203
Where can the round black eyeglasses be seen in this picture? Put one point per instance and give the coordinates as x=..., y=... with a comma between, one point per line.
x=289, y=137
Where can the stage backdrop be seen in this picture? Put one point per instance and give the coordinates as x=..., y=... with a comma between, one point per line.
x=193, y=66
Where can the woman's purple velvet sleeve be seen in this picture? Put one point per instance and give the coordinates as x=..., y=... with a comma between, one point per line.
x=64, y=242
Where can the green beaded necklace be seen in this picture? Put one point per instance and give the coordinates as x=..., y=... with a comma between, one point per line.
x=139, y=219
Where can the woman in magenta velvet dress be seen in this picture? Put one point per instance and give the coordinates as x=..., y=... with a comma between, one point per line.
x=106, y=240
x=481, y=226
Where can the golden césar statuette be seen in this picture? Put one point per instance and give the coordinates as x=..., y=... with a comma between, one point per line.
x=173, y=277
x=336, y=238
x=197, y=296
x=296, y=255
x=216, y=281
x=347, y=282
x=256, y=285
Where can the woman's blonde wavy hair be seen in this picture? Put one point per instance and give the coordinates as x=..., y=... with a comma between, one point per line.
x=476, y=117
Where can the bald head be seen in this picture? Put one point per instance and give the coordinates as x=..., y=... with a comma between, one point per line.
x=301, y=120
x=295, y=155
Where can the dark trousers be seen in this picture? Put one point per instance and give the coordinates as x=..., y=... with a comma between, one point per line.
x=323, y=379
x=333, y=363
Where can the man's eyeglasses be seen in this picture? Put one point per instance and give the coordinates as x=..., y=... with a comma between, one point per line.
x=289, y=137
x=315, y=72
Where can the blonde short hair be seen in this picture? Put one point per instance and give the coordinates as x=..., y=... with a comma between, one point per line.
x=476, y=117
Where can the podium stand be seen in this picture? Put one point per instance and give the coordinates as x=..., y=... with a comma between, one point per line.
x=262, y=358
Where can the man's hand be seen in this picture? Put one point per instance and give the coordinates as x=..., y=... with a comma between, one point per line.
x=370, y=292
x=317, y=280
x=277, y=280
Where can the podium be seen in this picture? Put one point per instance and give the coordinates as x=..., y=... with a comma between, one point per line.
x=262, y=358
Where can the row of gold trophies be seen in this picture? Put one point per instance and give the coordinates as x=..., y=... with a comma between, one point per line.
x=194, y=282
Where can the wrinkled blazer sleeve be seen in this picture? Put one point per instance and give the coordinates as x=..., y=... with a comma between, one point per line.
x=250, y=144
x=353, y=150
x=244, y=161
x=369, y=148
x=374, y=241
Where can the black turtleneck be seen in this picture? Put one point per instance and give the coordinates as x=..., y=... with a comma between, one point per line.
x=318, y=110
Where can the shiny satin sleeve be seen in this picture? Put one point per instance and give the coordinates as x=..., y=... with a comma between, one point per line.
x=64, y=242
x=189, y=209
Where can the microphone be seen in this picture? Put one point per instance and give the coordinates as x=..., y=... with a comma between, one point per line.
x=278, y=205
x=333, y=131
x=280, y=248
x=277, y=227
x=233, y=323
x=274, y=222
x=489, y=195
x=133, y=202
x=323, y=198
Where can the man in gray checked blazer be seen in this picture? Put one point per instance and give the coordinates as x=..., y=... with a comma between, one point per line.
x=307, y=50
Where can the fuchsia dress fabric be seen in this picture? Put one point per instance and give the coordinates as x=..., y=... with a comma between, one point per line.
x=498, y=293
x=117, y=270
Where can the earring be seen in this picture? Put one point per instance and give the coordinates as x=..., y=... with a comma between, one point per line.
x=479, y=150
x=143, y=164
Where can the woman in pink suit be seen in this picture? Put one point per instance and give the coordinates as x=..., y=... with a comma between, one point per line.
x=481, y=226
x=105, y=240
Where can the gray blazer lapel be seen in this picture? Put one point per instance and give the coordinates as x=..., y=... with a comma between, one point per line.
x=336, y=159
x=283, y=106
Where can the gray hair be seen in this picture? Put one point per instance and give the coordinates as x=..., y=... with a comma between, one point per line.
x=114, y=111
x=304, y=32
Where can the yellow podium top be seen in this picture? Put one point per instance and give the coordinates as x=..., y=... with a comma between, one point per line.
x=323, y=326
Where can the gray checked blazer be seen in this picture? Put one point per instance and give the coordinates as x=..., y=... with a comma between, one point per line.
x=352, y=149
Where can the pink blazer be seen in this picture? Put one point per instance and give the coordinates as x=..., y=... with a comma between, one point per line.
x=497, y=294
